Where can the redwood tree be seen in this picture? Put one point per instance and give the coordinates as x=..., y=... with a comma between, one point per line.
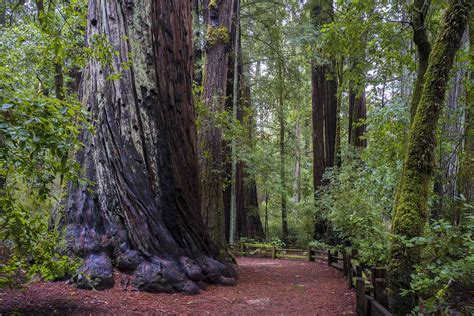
x=218, y=17
x=324, y=108
x=140, y=209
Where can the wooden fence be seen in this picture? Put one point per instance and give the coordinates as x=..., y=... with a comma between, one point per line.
x=370, y=284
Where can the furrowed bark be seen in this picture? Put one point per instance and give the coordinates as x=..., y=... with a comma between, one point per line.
x=420, y=37
x=466, y=168
x=411, y=211
x=248, y=218
x=357, y=115
x=324, y=111
x=141, y=209
x=218, y=17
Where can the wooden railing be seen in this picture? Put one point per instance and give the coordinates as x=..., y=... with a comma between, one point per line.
x=370, y=284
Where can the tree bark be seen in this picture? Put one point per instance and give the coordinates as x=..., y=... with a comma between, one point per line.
x=297, y=170
x=466, y=168
x=140, y=208
x=248, y=218
x=420, y=37
x=218, y=18
x=324, y=111
x=357, y=116
x=197, y=25
x=281, y=121
x=411, y=211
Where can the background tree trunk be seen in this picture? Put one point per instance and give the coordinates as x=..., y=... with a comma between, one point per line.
x=357, y=115
x=411, y=211
x=248, y=218
x=218, y=18
x=420, y=37
x=141, y=209
x=466, y=168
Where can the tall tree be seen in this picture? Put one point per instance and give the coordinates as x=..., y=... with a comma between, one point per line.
x=466, y=168
x=218, y=19
x=140, y=208
x=411, y=210
x=324, y=104
x=248, y=218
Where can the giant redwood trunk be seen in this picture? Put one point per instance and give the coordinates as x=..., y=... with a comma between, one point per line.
x=218, y=17
x=411, y=210
x=324, y=110
x=140, y=209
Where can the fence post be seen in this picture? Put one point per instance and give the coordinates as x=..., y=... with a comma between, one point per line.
x=380, y=293
x=274, y=252
x=361, y=302
x=379, y=281
x=349, y=270
x=344, y=261
x=354, y=253
x=244, y=249
x=329, y=257
x=310, y=254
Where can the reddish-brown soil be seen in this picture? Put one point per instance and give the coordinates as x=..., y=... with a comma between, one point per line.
x=265, y=286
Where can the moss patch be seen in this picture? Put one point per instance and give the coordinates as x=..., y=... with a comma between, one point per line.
x=217, y=35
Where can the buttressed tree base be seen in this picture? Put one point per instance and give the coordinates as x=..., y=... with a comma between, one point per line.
x=140, y=211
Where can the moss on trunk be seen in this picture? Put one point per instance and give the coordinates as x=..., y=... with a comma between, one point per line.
x=411, y=211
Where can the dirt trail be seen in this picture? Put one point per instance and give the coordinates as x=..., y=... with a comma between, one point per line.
x=265, y=286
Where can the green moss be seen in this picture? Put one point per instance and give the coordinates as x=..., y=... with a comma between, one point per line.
x=217, y=35
x=212, y=4
x=411, y=210
x=267, y=246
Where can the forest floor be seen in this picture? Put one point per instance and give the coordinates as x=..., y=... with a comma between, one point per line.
x=265, y=286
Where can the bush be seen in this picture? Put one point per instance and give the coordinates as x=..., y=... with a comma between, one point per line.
x=447, y=268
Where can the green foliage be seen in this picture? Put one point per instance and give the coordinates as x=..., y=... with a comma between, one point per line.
x=354, y=213
x=274, y=242
x=39, y=135
x=320, y=245
x=447, y=266
x=31, y=245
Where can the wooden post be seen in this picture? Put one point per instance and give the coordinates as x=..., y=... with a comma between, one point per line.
x=361, y=302
x=274, y=252
x=329, y=257
x=244, y=249
x=380, y=293
x=310, y=254
x=373, y=277
x=349, y=270
x=344, y=261
x=354, y=253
